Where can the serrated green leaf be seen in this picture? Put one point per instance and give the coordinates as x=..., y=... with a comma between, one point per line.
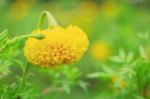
x=83, y=85
x=94, y=75
x=116, y=59
x=143, y=36
x=122, y=54
x=3, y=35
x=4, y=69
x=142, y=52
x=138, y=97
x=129, y=57
x=66, y=88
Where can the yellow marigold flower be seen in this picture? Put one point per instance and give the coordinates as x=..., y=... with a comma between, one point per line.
x=100, y=50
x=120, y=82
x=60, y=46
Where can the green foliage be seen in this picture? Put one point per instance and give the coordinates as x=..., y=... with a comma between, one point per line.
x=124, y=24
x=66, y=77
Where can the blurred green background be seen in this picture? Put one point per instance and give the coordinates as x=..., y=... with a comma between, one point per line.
x=109, y=24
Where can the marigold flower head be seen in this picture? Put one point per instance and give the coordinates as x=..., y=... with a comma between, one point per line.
x=60, y=46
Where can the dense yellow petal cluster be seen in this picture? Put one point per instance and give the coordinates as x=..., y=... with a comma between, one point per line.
x=60, y=46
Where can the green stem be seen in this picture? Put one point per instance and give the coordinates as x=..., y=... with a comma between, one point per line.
x=51, y=20
x=12, y=41
x=23, y=80
x=26, y=69
x=38, y=36
x=24, y=74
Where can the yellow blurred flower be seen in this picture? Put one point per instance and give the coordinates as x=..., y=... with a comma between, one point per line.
x=147, y=52
x=148, y=92
x=85, y=14
x=110, y=9
x=119, y=81
x=100, y=50
x=89, y=6
x=19, y=9
x=60, y=46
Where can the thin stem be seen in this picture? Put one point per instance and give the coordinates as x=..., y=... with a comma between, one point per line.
x=24, y=77
x=25, y=36
x=51, y=20
x=144, y=94
x=26, y=69
x=25, y=72
x=38, y=36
